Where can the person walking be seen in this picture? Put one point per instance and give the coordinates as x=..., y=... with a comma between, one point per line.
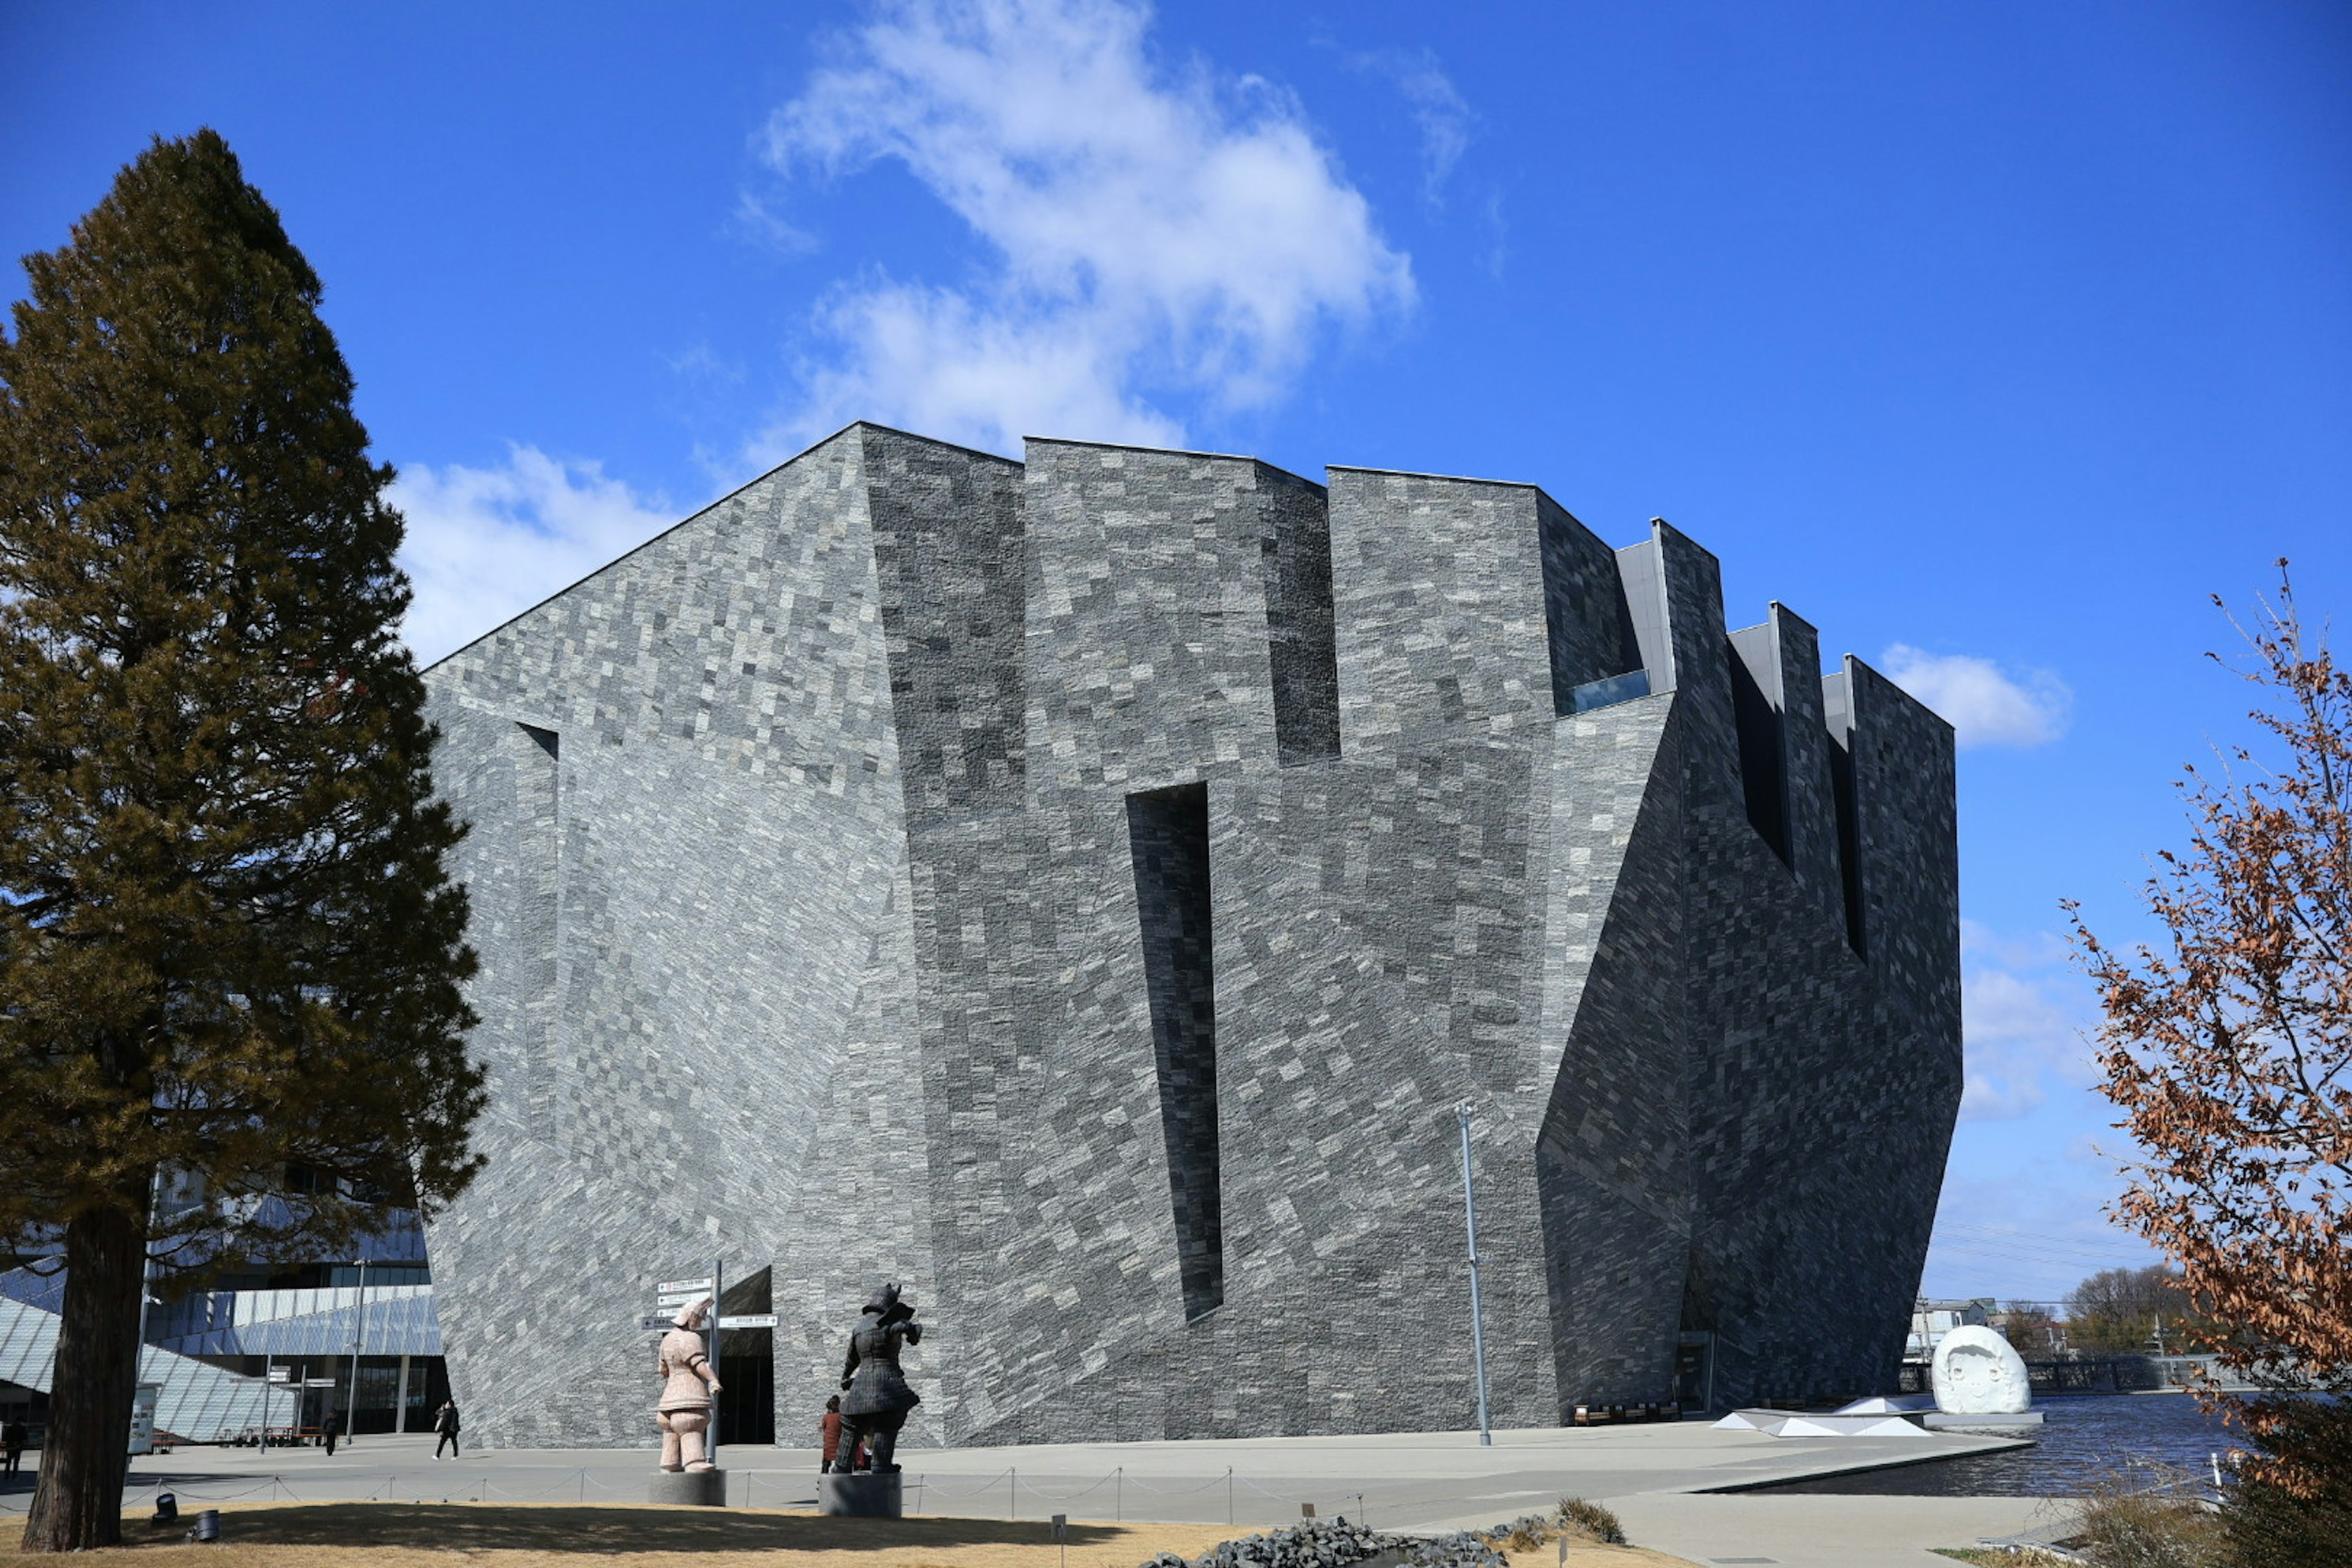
x=12, y=1444
x=330, y=1430
x=829, y=1431
x=444, y=1421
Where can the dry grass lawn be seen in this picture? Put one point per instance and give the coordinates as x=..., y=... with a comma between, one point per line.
x=554, y=1535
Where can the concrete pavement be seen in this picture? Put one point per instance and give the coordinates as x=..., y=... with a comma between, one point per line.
x=1656, y=1476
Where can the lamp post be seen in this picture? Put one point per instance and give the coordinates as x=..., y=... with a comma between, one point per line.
x=358, y=1334
x=1478, y=1314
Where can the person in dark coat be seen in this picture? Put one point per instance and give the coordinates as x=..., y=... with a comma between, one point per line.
x=331, y=1428
x=444, y=1421
x=12, y=1443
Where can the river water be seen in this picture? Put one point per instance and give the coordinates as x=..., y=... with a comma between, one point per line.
x=2084, y=1439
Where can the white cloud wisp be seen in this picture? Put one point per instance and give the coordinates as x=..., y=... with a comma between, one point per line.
x=1187, y=234
x=1440, y=114
x=1984, y=706
x=485, y=544
x=2016, y=1035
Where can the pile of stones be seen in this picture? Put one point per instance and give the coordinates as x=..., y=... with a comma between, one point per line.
x=1335, y=1543
x=1458, y=1550
x=1312, y=1543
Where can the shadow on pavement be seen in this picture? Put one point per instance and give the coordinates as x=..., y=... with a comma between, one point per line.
x=503, y=1527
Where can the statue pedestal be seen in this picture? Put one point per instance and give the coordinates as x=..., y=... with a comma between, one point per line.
x=702, y=1489
x=860, y=1494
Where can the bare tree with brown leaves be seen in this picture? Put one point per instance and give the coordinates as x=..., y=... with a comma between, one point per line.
x=2228, y=1047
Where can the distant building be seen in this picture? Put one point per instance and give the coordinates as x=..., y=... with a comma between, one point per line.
x=270, y=1347
x=1931, y=1321
x=1080, y=890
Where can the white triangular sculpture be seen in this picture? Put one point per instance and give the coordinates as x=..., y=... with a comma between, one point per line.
x=1889, y=1404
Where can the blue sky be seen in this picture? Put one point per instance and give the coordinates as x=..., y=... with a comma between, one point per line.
x=1991, y=338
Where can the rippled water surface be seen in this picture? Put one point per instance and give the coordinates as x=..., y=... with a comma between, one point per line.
x=2083, y=1438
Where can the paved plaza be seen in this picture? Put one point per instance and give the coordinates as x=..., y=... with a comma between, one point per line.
x=1402, y=1481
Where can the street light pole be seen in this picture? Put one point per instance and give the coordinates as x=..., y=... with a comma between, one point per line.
x=359, y=1336
x=1477, y=1313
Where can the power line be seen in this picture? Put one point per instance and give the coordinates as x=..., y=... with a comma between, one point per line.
x=2032, y=1255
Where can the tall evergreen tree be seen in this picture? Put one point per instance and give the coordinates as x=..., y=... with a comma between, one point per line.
x=228, y=946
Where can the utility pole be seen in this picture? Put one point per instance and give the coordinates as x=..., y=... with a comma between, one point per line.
x=1478, y=1314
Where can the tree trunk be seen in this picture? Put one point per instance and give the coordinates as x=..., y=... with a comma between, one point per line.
x=77, y=1503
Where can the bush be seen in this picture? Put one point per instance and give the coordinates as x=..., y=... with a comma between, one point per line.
x=1591, y=1521
x=1523, y=1535
x=2292, y=1505
x=2150, y=1518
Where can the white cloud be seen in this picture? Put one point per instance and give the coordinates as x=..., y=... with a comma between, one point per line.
x=2024, y=1020
x=1144, y=229
x=485, y=544
x=1979, y=940
x=1439, y=112
x=1985, y=706
x=2011, y=1034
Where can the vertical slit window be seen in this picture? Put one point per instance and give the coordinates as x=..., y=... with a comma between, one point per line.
x=540, y=893
x=1168, y=833
x=1849, y=837
x=1763, y=741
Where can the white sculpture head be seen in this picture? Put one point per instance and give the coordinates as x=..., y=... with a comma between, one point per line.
x=691, y=1315
x=1977, y=1374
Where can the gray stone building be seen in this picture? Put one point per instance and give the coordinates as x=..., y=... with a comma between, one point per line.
x=1082, y=889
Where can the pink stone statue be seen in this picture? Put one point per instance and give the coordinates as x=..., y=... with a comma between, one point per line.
x=688, y=1383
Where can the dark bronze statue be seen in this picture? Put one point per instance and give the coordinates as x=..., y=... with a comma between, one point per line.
x=875, y=1398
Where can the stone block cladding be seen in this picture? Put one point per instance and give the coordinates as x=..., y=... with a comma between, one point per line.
x=1080, y=890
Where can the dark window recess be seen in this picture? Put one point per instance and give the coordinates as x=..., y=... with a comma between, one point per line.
x=1763, y=756
x=545, y=739
x=1849, y=837
x=1168, y=833
x=379, y=1275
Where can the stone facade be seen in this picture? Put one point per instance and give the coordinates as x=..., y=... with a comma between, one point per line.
x=1081, y=889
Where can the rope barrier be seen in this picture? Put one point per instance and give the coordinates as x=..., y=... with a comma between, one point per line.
x=1183, y=1492
x=974, y=1491
x=1065, y=1497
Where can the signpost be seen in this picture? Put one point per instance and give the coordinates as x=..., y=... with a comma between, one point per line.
x=710, y=1342
x=143, y=1417
x=279, y=1377
x=669, y=1295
